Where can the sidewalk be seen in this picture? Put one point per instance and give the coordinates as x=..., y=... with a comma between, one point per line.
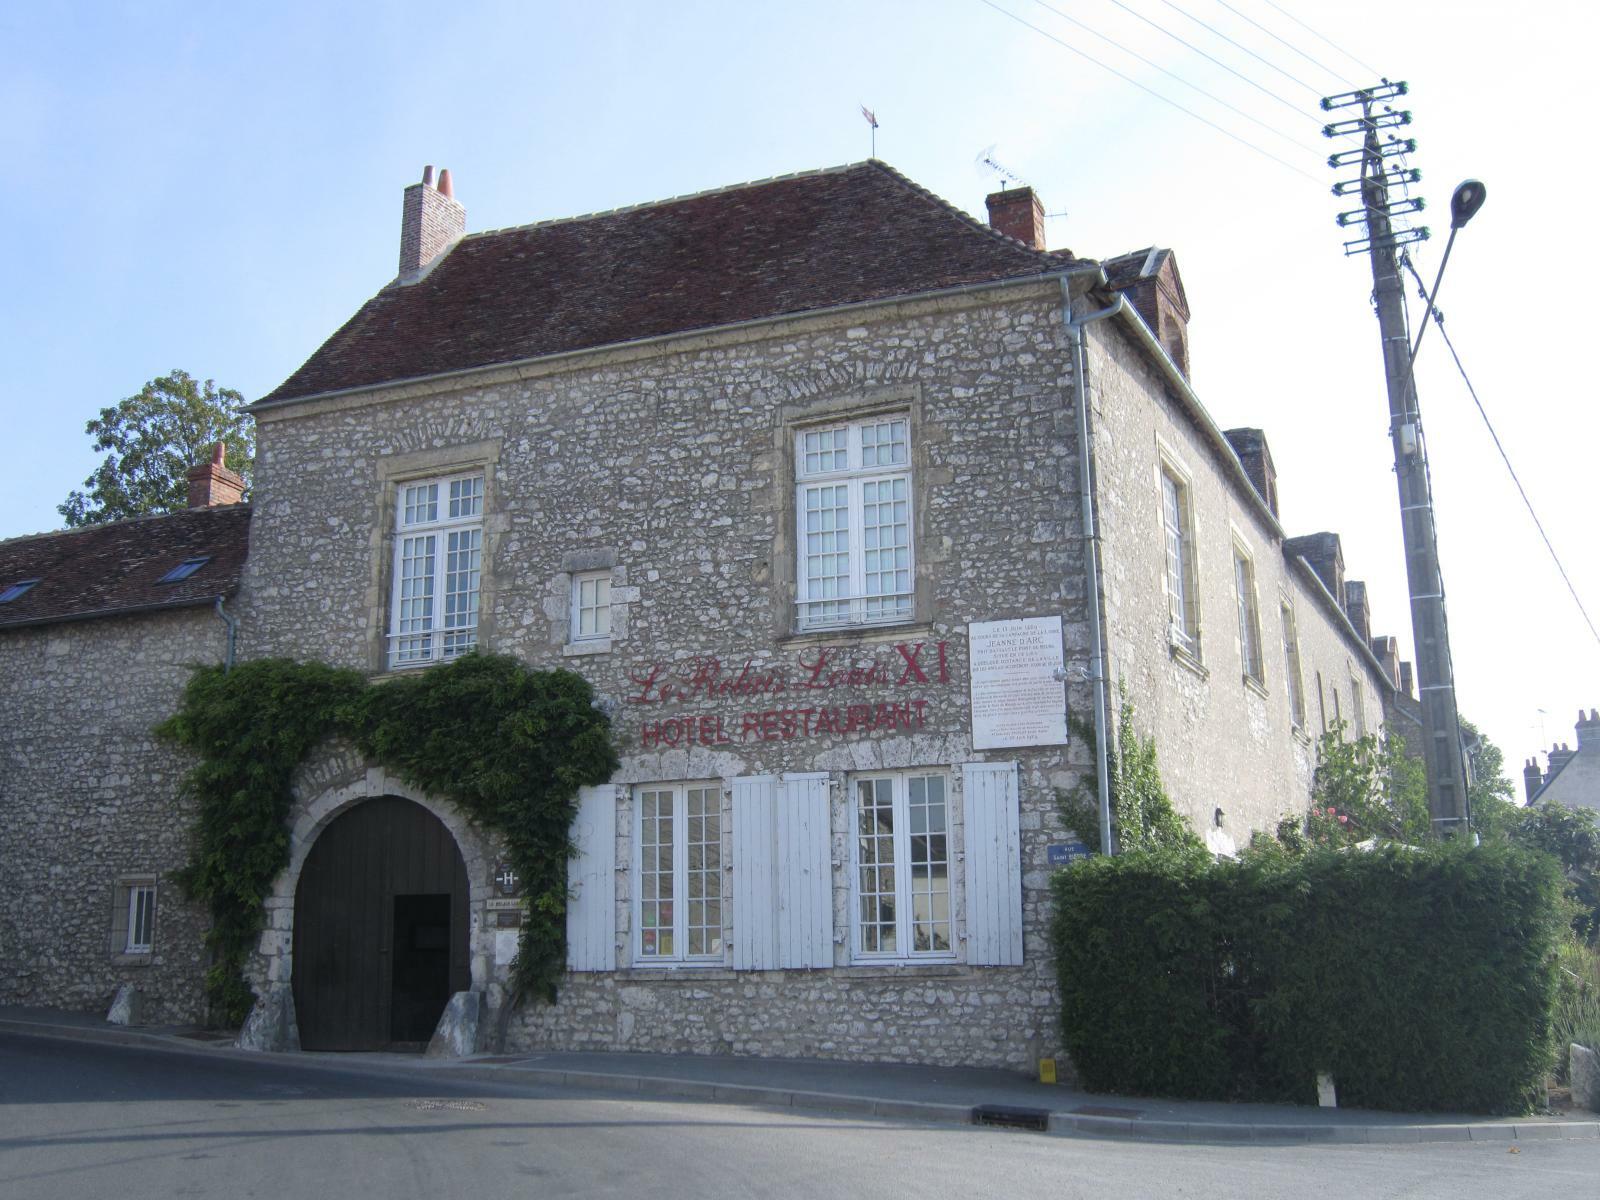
x=955, y=1095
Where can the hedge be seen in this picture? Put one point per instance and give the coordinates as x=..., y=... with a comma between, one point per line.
x=1419, y=979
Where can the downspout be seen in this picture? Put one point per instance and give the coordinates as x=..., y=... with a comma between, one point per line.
x=1091, y=537
x=232, y=622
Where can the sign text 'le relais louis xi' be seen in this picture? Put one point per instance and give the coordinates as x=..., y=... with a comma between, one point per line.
x=800, y=699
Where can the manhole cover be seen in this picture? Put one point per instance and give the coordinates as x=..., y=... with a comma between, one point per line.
x=452, y=1105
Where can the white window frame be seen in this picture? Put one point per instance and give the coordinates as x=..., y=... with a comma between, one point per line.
x=647, y=950
x=1180, y=576
x=133, y=939
x=1291, y=665
x=1251, y=659
x=418, y=639
x=599, y=583
x=901, y=863
x=855, y=595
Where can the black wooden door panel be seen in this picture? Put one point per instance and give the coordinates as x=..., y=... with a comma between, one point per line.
x=345, y=923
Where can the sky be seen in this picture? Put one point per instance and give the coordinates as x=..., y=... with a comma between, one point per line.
x=217, y=187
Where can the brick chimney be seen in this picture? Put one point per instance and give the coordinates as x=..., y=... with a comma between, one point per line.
x=1387, y=651
x=1355, y=607
x=1556, y=759
x=1251, y=447
x=1588, y=728
x=1018, y=213
x=211, y=483
x=431, y=221
x=1406, y=680
x=1532, y=781
x=1325, y=556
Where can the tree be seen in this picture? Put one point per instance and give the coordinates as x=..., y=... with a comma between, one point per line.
x=1367, y=788
x=151, y=440
x=1491, y=797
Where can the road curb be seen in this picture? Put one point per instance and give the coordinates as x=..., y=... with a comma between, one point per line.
x=1060, y=1124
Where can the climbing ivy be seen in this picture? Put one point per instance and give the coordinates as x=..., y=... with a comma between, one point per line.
x=507, y=745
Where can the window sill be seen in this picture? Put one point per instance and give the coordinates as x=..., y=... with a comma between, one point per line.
x=1189, y=660
x=685, y=972
x=1298, y=732
x=581, y=649
x=857, y=635
x=1255, y=685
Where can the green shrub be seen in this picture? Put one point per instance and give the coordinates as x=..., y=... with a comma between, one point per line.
x=1420, y=979
x=1577, y=1010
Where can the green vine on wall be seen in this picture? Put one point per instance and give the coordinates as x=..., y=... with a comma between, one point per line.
x=507, y=745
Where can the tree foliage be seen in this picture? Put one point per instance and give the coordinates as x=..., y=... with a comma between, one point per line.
x=150, y=440
x=1367, y=787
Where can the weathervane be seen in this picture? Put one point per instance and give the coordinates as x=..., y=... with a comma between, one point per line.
x=872, y=119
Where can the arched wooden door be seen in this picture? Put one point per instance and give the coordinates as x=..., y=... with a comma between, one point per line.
x=380, y=929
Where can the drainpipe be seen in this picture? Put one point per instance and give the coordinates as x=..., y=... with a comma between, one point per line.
x=1091, y=536
x=232, y=622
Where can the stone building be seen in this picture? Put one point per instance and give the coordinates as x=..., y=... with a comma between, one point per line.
x=99, y=629
x=1571, y=776
x=800, y=475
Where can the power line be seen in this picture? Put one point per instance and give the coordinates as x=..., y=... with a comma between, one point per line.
x=1241, y=46
x=1289, y=104
x=1438, y=319
x=1290, y=45
x=1228, y=133
x=1372, y=72
x=1173, y=75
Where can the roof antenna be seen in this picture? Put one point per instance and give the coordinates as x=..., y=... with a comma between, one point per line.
x=985, y=160
x=872, y=119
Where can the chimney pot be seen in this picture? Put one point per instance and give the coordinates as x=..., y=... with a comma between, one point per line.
x=427, y=174
x=211, y=483
x=431, y=221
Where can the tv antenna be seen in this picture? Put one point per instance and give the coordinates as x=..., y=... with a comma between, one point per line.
x=985, y=161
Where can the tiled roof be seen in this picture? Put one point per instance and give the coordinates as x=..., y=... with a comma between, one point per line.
x=789, y=245
x=109, y=569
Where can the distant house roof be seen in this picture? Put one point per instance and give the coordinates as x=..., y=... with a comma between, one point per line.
x=117, y=568
x=789, y=245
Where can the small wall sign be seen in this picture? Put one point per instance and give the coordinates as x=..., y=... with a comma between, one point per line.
x=506, y=880
x=1064, y=854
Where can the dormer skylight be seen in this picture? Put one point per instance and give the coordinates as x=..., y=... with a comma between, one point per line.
x=16, y=589
x=185, y=569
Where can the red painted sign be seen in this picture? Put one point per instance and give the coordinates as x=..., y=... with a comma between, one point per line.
x=888, y=669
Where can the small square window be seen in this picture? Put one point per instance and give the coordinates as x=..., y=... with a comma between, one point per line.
x=591, y=606
x=185, y=569
x=133, y=916
x=16, y=590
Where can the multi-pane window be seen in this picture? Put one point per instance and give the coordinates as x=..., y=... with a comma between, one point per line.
x=853, y=523
x=438, y=568
x=1291, y=668
x=141, y=918
x=902, y=867
x=1182, y=610
x=1244, y=586
x=591, y=606
x=678, y=860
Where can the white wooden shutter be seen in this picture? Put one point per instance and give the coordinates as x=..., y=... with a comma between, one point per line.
x=755, y=806
x=592, y=882
x=993, y=864
x=805, y=873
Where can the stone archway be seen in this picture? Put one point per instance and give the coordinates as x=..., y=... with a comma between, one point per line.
x=380, y=929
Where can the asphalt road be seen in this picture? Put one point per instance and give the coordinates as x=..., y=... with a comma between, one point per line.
x=83, y=1120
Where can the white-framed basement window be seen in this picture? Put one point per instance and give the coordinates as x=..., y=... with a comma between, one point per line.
x=438, y=569
x=900, y=876
x=133, y=916
x=591, y=606
x=677, y=905
x=853, y=523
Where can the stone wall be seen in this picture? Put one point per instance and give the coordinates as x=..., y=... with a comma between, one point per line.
x=1224, y=741
x=88, y=797
x=671, y=467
